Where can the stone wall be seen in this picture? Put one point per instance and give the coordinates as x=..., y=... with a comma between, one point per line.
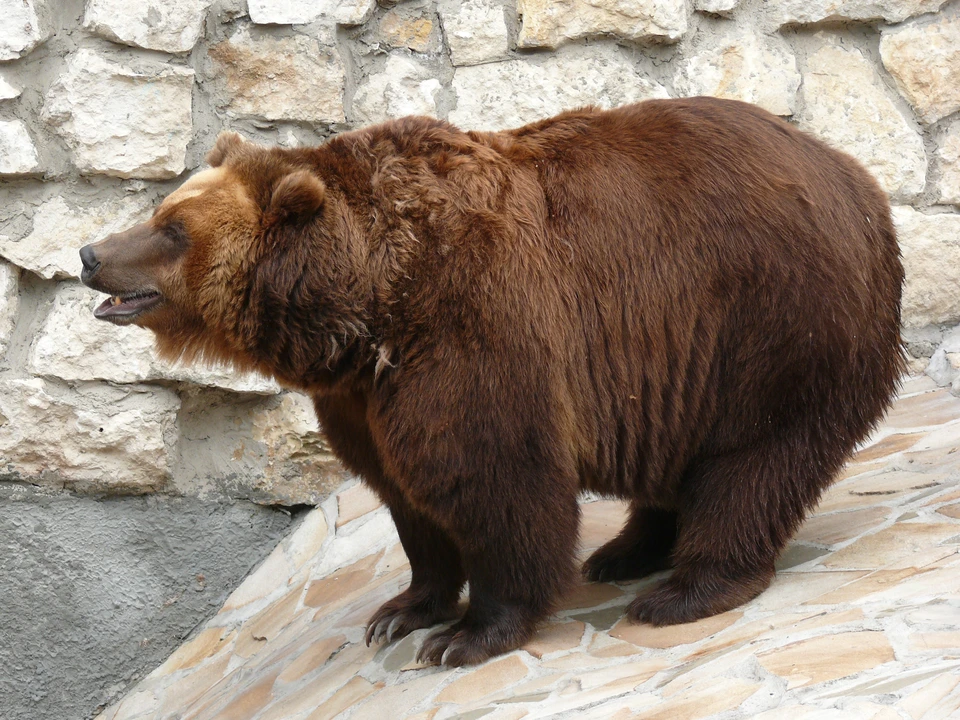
x=106, y=105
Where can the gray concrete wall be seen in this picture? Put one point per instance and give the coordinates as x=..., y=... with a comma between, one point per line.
x=96, y=592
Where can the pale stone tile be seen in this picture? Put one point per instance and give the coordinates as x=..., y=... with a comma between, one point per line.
x=312, y=658
x=952, y=511
x=308, y=538
x=882, y=487
x=839, y=527
x=485, y=680
x=397, y=700
x=947, y=643
x=555, y=637
x=673, y=635
x=601, y=521
x=262, y=581
x=590, y=595
x=827, y=657
x=721, y=695
x=354, y=502
x=604, y=646
x=919, y=703
x=341, y=586
x=890, y=445
x=349, y=695
x=631, y=673
x=188, y=689
x=267, y=624
x=782, y=624
x=898, y=543
x=791, y=589
x=703, y=671
x=933, y=408
x=250, y=702
x=207, y=644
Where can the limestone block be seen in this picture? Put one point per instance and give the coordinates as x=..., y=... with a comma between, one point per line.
x=18, y=154
x=281, y=78
x=743, y=64
x=511, y=93
x=403, y=88
x=8, y=91
x=923, y=57
x=794, y=12
x=549, y=23
x=931, y=259
x=171, y=26
x=95, y=440
x=716, y=7
x=847, y=105
x=129, y=118
x=73, y=345
x=298, y=12
x=476, y=31
x=60, y=229
x=415, y=31
x=9, y=303
x=269, y=450
x=948, y=158
x=22, y=28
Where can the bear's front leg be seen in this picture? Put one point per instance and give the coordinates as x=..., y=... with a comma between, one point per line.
x=437, y=576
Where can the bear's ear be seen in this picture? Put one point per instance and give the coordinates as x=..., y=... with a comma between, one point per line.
x=226, y=143
x=298, y=194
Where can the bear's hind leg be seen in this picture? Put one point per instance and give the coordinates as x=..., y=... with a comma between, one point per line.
x=642, y=548
x=437, y=577
x=738, y=511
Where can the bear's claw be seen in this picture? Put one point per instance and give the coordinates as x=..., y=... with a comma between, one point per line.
x=408, y=611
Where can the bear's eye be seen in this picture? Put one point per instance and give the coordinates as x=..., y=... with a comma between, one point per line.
x=176, y=233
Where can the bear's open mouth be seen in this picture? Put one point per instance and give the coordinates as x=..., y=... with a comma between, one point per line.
x=124, y=308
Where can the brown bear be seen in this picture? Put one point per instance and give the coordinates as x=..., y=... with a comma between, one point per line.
x=688, y=304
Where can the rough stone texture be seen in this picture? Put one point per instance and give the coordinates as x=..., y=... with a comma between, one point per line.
x=129, y=118
x=8, y=91
x=281, y=78
x=923, y=57
x=403, y=88
x=948, y=160
x=99, y=592
x=110, y=441
x=846, y=104
x=297, y=12
x=476, y=31
x=9, y=303
x=549, y=23
x=716, y=7
x=417, y=31
x=742, y=65
x=931, y=258
x=18, y=154
x=61, y=228
x=74, y=345
x=268, y=450
x=171, y=26
x=508, y=94
x=792, y=12
x=22, y=28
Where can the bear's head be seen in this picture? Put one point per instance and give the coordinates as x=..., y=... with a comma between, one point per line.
x=247, y=263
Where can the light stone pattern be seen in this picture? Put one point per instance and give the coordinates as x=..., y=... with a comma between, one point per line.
x=405, y=87
x=61, y=228
x=743, y=65
x=74, y=345
x=298, y=12
x=859, y=624
x=476, y=31
x=22, y=28
x=550, y=23
x=9, y=303
x=172, y=26
x=125, y=118
x=18, y=154
x=7, y=90
x=508, y=94
x=948, y=159
x=923, y=57
x=281, y=78
x=847, y=105
x=90, y=443
x=716, y=7
x=791, y=12
x=930, y=245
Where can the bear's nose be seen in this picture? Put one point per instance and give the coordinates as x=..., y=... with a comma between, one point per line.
x=90, y=262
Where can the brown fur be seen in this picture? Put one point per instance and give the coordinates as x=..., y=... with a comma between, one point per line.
x=687, y=304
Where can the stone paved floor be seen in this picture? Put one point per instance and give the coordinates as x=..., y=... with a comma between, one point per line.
x=862, y=621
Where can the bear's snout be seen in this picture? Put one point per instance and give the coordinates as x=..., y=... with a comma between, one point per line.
x=90, y=264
